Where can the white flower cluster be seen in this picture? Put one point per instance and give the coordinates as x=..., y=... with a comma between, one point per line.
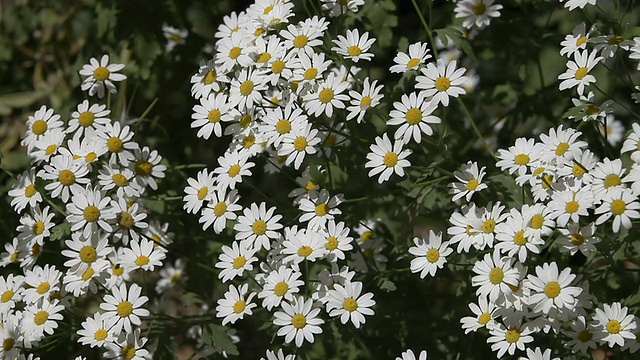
x=87, y=174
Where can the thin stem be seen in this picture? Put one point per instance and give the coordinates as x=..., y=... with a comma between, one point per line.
x=426, y=27
x=475, y=129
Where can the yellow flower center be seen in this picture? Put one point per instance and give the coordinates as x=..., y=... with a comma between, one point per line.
x=124, y=309
x=581, y=40
x=612, y=180
x=488, y=226
x=562, y=148
x=365, y=102
x=300, y=41
x=618, y=206
x=537, y=221
x=484, y=318
x=577, y=239
x=43, y=288
x=283, y=126
x=128, y=351
x=210, y=77
x=615, y=39
x=90, y=157
x=613, y=327
x=521, y=159
x=581, y=73
x=479, y=8
x=7, y=344
x=585, y=335
x=143, y=167
x=91, y=213
x=214, y=115
x=30, y=190
x=117, y=270
x=472, y=184
x=6, y=296
x=300, y=143
x=322, y=209
x=263, y=57
x=512, y=335
x=114, y=144
x=248, y=141
x=298, y=321
x=390, y=159
x=592, y=110
x=433, y=255
x=86, y=119
x=354, y=50
x=41, y=317
x=281, y=288
x=35, y=249
x=50, y=149
x=235, y=52
x=310, y=73
x=142, y=260
x=234, y=170
x=277, y=66
x=239, y=306
x=39, y=127
x=66, y=177
x=220, y=209
x=202, y=193
x=38, y=227
x=305, y=251
x=120, y=180
x=246, y=88
x=100, y=334
x=101, y=73
x=259, y=227
x=332, y=243
x=87, y=274
x=496, y=275
x=125, y=220
x=88, y=254
x=245, y=120
x=552, y=289
x=413, y=62
x=519, y=238
x=442, y=83
x=571, y=206
x=326, y=95
x=267, y=10
x=239, y=262
x=350, y=304
x=413, y=116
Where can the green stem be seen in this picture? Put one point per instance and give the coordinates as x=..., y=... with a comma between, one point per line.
x=426, y=27
x=475, y=129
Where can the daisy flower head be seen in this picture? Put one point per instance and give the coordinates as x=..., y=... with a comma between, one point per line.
x=578, y=69
x=142, y=254
x=298, y=321
x=208, y=115
x=519, y=156
x=89, y=211
x=512, y=237
x=409, y=355
x=477, y=13
x=124, y=307
x=354, y=46
x=302, y=244
x=318, y=209
x=68, y=176
x=329, y=95
x=418, y=54
x=246, y=88
x=551, y=289
x=234, y=51
x=41, y=318
x=301, y=140
x=206, y=80
x=11, y=290
x=129, y=221
x=538, y=354
x=119, y=142
x=386, y=159
x=337, y=240
x=47, y=145
x=632, y=143
x=612, y=129
x=146, y=164
x=620, y=203
x=88, y=117
x=233, y=166
x=82, y=252
x=484, y=222
x=112, y=176
x=340, y=7
x=24, y=192
x=128, y=345
x=41, y=283
x=484, y=311
x=607, y=175
x=235, y=260
x=575, y=41
x=11, y=336
x=234, y=305
x=607, y=45
x=221, y=207
x=582, y=335
x=469, y=181
x=306, y=35
x=614, y=324
x=280, y=284
x=440, y=80
x=257, y=226
x=278, y=122
x=279, y=355
x=39, y=124
x=199, y=191
x=100, y=75
x=506, y=338
x=413, y=114
x=174, y=37
x=361, y=102
x=36, y=226
x=348, y=302
x=578, y=238
x=562, y=145
x=570, y=205
x=311, y=69
x=430, y=252
x=494, y=275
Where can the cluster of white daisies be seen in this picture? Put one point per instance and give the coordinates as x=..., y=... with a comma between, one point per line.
x=89, y=176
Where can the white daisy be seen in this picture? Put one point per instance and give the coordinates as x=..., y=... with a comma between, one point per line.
x=299, y=321
x=550, y=289
x=614, y=324
x=299, y=141
x=418, y=54
x=280, y=284
x=430, y=252
x=209, y=113
x=361, y=102
x=142, y=254
x=124, y=307
x=257, y=226
x=577, y=73
x=24, y=192
x=477, y=13
x=234, y=305
x=233, y=166
x=327, y=96
x=235, y=260
x=100, y=75
x=354, y=46
x=221, y=208
x=386, y=159
x=90, y=210
x=440, y=80
x=413, y=114
x=68, y=176
x=349, y=303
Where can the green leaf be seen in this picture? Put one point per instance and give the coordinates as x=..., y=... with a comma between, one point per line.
x=155, y=206
x=216, y=336
x=106, y=19
x=60, y=231
x=387, y=285
x=453, y=34
x=191, y=298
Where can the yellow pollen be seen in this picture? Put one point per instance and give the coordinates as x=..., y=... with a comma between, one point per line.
x=578, y=170
x=263, y=57
x=442, y=83
x=488, y=226
x=365, y=102
x=484, y=318
x=354, y=50
x=38, y=227
x=35, y=249
x=618, y=206
x=326, y=95
x=519, y=238
x=220, y=209
x=239, y=306
x=125, y=220
x=91, y=213
x=117, y=270
x=6, y=296
x=30, y=190
x=472, y=184
x=39, y=127
x=390, y=159
x=537, y=221
x=332, y=243
x=322, y=209
x=202, y=193
x=41, y=317
x=581, y=40
x=281, y=288
x=572, y=206
x=277, y=66
x=585, y=335
x=120, y=180
x=581, y=73
x=329, y=140
x=552, y=289
x=50, y=149
x=248, y=141
x=43, y=288
x=239, y=262
x=577, y=239
x=433, y=255
x=245, y=120
x=616, y=39
x=298, y=321
x=234, y=170
x=214, y=115
x=259, y=227
x=310, y=74
x=90, y=157
x=246, y=88
x=300, y=41
x=87, y=274
x=300, y=143
x=562, y=148
x=309, y=185
x=259, y=31
x=100, y=334
x=124, y=309
x=7, y=344
x=591, y=110
x=114, y=144
x=613, y=327
x=479, y=8
x=413, y=62
x=283, y=126
x=128, y=351
x=305, y=251
x=142, y=260
x=210, y=77
x=496, y=275
x=235, y=52
x=88, y=254
x=14, y=256
x=267, y=10
x=512, y=335
x=413, y=116
x=66, y=177
x=86, y=118
x=101, y=73
x=350, y=304
x=612, y=180
x=521, y=159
